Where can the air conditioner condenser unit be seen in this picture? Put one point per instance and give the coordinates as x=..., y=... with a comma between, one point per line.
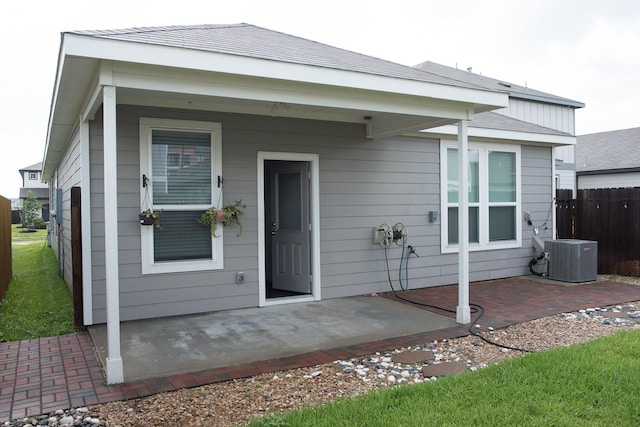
x=572, y=260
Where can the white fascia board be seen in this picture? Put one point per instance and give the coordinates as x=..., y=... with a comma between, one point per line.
x=498, y=134
x=48, y=165
x=176, y=57
x=222, y=85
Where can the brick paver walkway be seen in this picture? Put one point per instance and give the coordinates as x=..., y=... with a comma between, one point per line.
x=43, y=375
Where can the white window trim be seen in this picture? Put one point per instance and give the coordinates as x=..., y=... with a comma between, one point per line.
x=483, y=231
x=33, y=175
x=146, y=233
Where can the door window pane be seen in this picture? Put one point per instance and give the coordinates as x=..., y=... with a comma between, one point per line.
x=175, y=180
x=289, y=202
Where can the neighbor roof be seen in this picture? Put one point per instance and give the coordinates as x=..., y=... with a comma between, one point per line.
x=252, y=41
x=612, y=150
x=34, y=167
x=514, y=90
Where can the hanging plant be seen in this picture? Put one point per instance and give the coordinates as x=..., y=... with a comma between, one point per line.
x=150, y=217
x=225, y=215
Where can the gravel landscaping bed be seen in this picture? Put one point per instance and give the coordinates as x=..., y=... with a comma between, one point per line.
x=239, y=401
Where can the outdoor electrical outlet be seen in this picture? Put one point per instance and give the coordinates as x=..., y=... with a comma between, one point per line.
x=240, y=277
x=378, y=235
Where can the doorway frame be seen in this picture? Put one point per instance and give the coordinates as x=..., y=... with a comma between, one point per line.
x=314, y=215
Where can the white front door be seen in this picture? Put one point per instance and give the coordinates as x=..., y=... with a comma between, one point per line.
x=287, y=220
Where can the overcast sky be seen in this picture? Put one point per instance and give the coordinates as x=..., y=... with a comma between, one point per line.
x=586, y=50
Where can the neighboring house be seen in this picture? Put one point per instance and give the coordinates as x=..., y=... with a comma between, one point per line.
x=609, y=159
x=16, y=207
x=32, y=181
x=323, y=145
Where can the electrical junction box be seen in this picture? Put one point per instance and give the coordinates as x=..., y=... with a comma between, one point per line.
x=572, y=260
x=378, y=235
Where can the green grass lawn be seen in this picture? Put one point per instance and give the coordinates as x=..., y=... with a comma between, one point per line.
x=22, y=235
x=38, y=302
x=592, y=384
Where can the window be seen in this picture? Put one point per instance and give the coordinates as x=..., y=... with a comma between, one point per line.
x=182, y=191
x=493, y=193
x=33, y=175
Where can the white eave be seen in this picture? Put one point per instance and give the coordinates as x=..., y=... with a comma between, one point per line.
x=496, y=135
x=174, y=77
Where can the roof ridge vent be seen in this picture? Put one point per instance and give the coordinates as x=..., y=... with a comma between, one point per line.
x=504, y=84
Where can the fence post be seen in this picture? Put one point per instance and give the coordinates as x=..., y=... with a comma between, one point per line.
x=6, y=269
x=76, y=256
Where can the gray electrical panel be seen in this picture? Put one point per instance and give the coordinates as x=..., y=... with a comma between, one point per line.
x=572, y=260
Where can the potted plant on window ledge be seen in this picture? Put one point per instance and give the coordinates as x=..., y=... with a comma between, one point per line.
x=150, y=217
x=225, y=215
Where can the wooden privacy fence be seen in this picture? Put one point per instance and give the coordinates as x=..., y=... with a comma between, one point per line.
x=565, y=214
x=611, y=216
x=5, y=246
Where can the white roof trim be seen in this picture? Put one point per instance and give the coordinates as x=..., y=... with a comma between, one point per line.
x=499, y=134
x=168, y=56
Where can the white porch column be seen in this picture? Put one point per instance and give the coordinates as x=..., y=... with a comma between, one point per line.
x=114, y=368
x=85, y=168
x=463, y=311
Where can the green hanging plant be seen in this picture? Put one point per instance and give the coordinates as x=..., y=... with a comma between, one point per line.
x=150, y=217
x=225, y=215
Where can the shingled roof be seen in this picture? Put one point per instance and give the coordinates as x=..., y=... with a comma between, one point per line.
x=252, y=41
x=514, y=90
x=608, y=151
x=34, y=167
x=490, y=120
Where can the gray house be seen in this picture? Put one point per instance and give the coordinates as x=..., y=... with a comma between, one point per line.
x=339, y=158
x=608, y=159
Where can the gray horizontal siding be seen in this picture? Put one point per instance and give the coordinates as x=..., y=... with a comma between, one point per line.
x=363, y=183
x=68, y=175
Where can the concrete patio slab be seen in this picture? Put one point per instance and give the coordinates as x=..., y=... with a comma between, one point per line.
x=173, y=345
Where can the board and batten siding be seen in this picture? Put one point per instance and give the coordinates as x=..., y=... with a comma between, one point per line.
x=363, y=183
x=558, y=117
x=67, y=175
